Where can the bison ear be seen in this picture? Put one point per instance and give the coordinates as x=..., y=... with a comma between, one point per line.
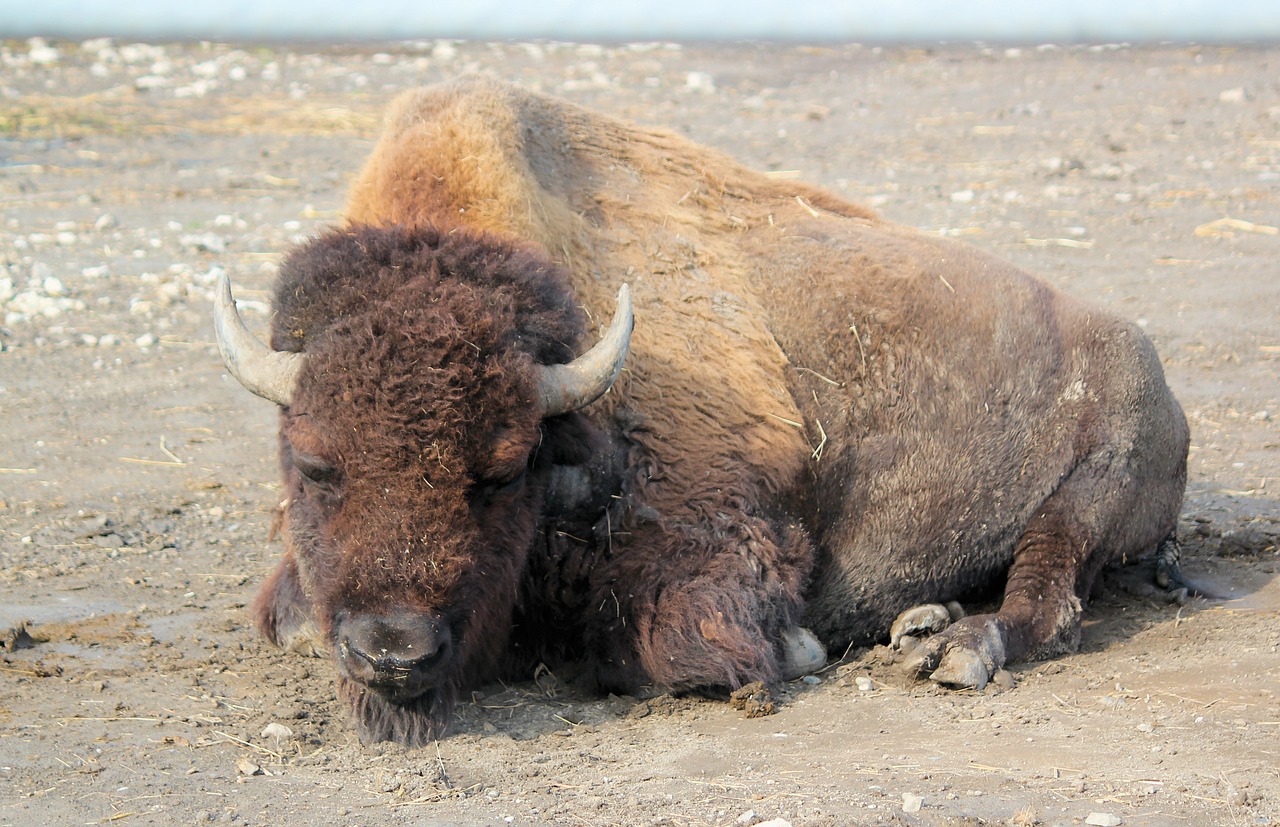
x=507, y=453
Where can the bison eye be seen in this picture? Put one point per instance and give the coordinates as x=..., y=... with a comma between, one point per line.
x=316, y=470
x=486, y=491
x=513, y=484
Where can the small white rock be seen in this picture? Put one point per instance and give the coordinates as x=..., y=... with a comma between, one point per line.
x=1104, y=820
x=963, y=197
x=774, y=822
x=1236, y=95
x=206, y=69
x=912, y=803
x=208, y=242
x=864, y=683
x=276, y=731
x=150, y=82
x=41, y=53
x=145, y=340
x=169, y=294
x=700, y=82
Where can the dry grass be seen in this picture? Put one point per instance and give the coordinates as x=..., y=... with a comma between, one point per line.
x=117, y=113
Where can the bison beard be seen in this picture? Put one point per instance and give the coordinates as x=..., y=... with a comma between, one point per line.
x=412, y=722
x=827, y=422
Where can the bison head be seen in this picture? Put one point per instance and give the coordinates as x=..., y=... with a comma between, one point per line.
x=427, y=386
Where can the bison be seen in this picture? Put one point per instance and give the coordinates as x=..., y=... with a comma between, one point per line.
x=823, y=427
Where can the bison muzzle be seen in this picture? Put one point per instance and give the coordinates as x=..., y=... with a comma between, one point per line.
x=800, y=426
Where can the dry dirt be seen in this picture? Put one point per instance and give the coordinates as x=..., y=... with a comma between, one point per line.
x=137, y=480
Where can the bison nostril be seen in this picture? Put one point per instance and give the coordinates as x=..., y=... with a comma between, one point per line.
x=401, y=652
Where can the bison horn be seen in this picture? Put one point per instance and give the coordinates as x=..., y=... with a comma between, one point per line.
x=268, y=373
x=565, y=388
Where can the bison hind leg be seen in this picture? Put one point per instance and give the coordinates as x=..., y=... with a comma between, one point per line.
x=1169, y=574
x=1159, y=577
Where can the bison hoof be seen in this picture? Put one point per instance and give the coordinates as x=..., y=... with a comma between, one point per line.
x=802, y=653
x=928, y=619
x=963, y=656
x=962, y=669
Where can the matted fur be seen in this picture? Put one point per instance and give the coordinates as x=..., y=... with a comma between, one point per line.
x=825, y=418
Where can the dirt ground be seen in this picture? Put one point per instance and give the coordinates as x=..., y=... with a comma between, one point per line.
x=137, y=480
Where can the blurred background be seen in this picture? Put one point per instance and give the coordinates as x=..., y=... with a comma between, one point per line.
x=821, y=20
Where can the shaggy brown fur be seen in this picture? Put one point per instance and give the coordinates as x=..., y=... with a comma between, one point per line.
x=825, y=418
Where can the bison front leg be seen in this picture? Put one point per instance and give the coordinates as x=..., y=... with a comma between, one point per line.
x=1038, y=618
x=705, y=607
x=283, y=612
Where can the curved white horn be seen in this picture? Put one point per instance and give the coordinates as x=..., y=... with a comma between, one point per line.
x=268, y=373
x=565, y=388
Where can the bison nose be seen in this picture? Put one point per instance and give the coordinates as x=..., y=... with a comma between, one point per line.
x=398, y=655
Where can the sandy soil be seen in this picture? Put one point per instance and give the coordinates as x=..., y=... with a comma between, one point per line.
x=137, y=480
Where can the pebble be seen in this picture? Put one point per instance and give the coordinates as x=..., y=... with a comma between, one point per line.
x=912, y=803
x=1103, y=820
x=700, y=82
x=246, y=767
x=205, y=242
x=864, y=683
x=277, y=731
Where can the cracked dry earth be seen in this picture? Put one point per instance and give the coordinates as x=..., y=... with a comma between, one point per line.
x=137, y=481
